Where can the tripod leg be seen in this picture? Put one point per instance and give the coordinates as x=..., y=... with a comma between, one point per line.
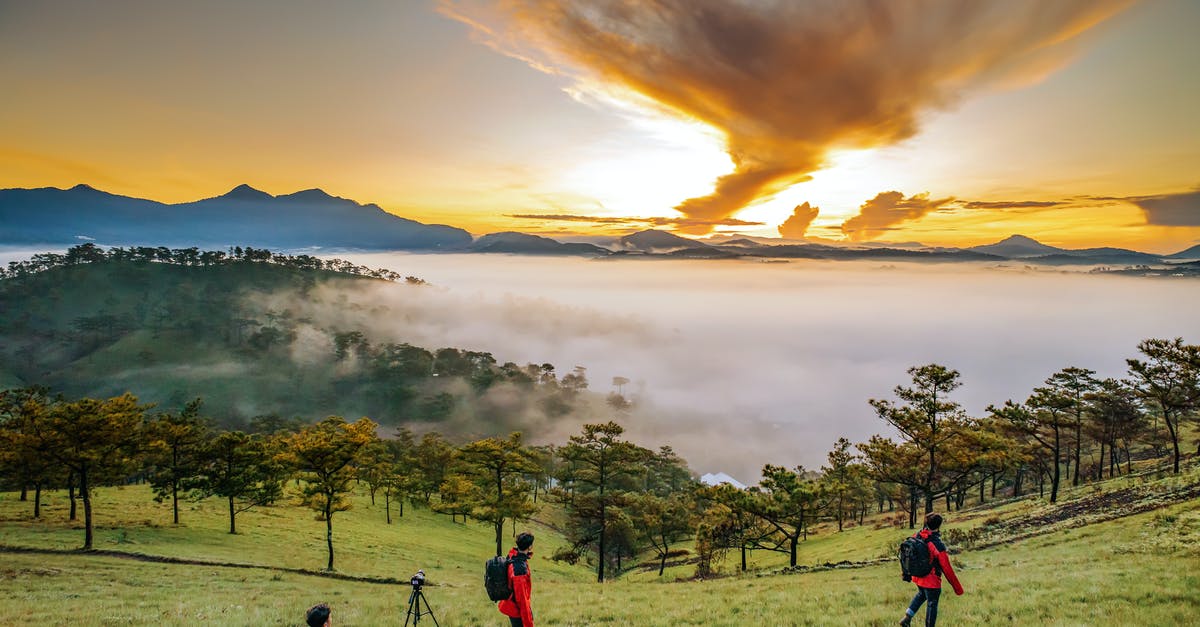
x=411, y=599
x=429, y=610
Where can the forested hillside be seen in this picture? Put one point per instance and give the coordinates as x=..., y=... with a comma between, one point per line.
x=174, y=325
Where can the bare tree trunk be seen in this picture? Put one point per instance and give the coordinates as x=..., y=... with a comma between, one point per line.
x=37, y=500
x=1057, y=465
x=71, y=493
x=662, y=565
x=329, y=531
x=86, y=494
x=1079, y=445
x=499, y=536
x=1174, y=442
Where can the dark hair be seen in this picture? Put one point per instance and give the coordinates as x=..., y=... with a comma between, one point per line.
x=933, y=522
x=317, y=615
x=524, y=541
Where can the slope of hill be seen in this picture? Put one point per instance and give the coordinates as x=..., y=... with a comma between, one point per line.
x=1189, y=253
x=1090, y=573
x=1096, y=256
x=229, y=332
x=653, y=241
x=523, y=243
x=244, y=216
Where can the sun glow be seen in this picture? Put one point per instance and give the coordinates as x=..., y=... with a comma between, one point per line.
x=645, y=173
x=849, y=178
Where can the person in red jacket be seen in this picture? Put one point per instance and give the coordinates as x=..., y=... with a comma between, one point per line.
x=929, y=587
x=517, y=607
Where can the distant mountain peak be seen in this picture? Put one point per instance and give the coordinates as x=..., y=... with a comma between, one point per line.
x=527, y=243
x=245, y=192
x=83, y=187
x=653, y=239
x=310, y=195
x=1016, y=246
x=512, y=236
x=1019, y=239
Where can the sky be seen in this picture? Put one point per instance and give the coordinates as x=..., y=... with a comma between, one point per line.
x=941, y=122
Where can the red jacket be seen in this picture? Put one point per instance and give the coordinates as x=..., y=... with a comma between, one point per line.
x=941, y=563
x=519, y=579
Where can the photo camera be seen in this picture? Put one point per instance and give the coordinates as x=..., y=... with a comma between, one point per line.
x=417, y=580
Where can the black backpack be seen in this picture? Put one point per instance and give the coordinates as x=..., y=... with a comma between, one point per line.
x=915, y=560
x=495, y=578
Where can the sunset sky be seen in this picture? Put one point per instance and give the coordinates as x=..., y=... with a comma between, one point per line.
x=947, y=123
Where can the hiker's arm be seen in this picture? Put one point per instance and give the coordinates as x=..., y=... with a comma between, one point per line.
x=944, y=561
x=521, y=594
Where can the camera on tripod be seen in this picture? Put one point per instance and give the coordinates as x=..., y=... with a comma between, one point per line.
x=415, y=599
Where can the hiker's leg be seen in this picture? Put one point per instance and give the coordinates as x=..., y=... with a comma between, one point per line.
x=916, y=601
x=931, y=595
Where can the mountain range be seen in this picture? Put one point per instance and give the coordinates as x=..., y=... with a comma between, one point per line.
x=243, y=216
x=313, y=219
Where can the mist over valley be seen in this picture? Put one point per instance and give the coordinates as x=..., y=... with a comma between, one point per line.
x=740, y=363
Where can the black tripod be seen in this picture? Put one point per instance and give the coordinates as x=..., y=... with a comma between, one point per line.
x=414, y=607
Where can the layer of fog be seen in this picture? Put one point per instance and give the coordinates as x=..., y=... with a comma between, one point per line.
x=736, y=364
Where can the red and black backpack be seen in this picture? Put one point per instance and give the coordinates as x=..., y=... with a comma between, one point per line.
x=915, y=557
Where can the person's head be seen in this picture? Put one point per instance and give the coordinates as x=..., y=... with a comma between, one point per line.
x=933, y=522
x=525, y=542
x=318, y=616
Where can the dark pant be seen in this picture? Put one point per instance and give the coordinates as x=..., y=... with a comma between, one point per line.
x=516, y=622
x=929, y=595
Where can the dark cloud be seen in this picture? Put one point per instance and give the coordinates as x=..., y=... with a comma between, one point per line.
x=1012, y=204
x=1170, y=209
x=679, y=223
x=886, y=210
x=785, y=81
x=797, y=224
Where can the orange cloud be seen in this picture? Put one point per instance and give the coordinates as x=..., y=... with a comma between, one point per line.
x=785, y=81
x=886, y=210
x=797, y=224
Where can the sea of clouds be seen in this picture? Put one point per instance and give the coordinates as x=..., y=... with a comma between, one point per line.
x=740, y=363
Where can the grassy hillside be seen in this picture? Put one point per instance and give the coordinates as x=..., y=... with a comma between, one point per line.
x=235, y=334
x=1082, y=566
x=1099, y=574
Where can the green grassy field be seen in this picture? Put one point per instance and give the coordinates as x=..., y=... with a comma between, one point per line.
x=1141, y=569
